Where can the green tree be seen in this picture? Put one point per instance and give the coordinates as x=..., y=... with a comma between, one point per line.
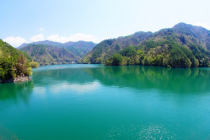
x=117, y=59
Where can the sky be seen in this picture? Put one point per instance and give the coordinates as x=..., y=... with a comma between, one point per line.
x=25, y=21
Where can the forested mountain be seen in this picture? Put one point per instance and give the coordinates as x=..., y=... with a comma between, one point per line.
x=79, y=48
x=183, y=45
x=13, y=62
x=107, y=48
x=50, y=55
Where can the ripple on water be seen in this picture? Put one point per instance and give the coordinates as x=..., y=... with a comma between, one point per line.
x=133, y=131
x=6, y=134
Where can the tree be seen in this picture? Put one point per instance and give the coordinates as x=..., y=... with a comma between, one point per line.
x=34, y=64
x=117, y=59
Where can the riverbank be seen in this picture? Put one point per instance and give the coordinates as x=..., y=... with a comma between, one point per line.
x=17, y=79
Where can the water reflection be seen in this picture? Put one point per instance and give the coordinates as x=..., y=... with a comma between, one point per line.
x=16, y=91
x=169, y=80
x=178, y=81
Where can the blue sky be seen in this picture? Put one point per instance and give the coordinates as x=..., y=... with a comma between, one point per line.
x=94, y=20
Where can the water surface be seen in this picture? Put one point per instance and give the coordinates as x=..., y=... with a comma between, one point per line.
x=100, y=103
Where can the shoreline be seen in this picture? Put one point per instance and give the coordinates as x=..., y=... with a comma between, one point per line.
x=17, y=79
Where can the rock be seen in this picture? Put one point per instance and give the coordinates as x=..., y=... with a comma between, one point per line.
x=17, y=79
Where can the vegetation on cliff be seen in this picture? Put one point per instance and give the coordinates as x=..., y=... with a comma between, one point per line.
x=13, y=63
x=34, y=64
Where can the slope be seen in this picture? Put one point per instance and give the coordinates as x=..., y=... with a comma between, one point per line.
x=79, y=48
x=108, y=47
x=183, y=45
x=13, y=63
x=48, y=55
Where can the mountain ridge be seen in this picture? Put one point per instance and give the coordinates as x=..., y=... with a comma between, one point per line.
x=50, y=55
x=183, y=44
x=79, y=48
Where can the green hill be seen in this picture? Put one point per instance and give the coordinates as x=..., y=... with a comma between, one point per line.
x=80, y=48
x=49, y=55
x=107, y=48
x=13, y=63
x=183, y=45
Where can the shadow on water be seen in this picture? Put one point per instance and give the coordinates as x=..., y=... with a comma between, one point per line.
x=16, y=91
x=177, y=80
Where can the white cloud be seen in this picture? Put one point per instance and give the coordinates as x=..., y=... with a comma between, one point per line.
x=203, y=25
x=41, y=29
x=15, y=41
x=75, y=37
x=39, y=37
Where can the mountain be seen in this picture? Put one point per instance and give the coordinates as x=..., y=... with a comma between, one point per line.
x=46, y=42
x=48, y=55
x=184, y=45
x=13, y=63
x=107, y=48
x=79, y=48
x=22, y=46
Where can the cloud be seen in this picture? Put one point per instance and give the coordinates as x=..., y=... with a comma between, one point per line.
x=203, y=25
x=39, y=37
x=15, y=41
x=41, y=29
x=75, y=37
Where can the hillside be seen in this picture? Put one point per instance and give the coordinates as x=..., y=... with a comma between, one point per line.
x=183, y=45
x=107, y=48
x=49, y=55
x=13, y=63
x=80, y=48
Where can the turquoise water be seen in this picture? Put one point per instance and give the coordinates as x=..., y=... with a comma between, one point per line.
x=93, y=102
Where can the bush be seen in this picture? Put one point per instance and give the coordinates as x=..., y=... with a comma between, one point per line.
x=115, y=60
x=34, y=64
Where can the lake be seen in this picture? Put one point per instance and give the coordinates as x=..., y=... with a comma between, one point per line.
x=94, y=102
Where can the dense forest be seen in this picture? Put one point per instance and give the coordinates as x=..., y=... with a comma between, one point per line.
x=181, y=46
x=13, y=63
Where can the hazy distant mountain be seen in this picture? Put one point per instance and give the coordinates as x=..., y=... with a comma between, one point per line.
x=79, y=48
x=49, y=55
x=22, y=46
x=184, y=45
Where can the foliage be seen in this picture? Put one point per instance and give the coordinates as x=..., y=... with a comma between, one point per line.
x=13, y=63
x=108, y=48
x=129, y=51
x=115, y=60
x=34, y=64
x=166, y=53
x=183, y=45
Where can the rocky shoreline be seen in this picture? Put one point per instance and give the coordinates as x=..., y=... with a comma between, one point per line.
x=17, y=79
